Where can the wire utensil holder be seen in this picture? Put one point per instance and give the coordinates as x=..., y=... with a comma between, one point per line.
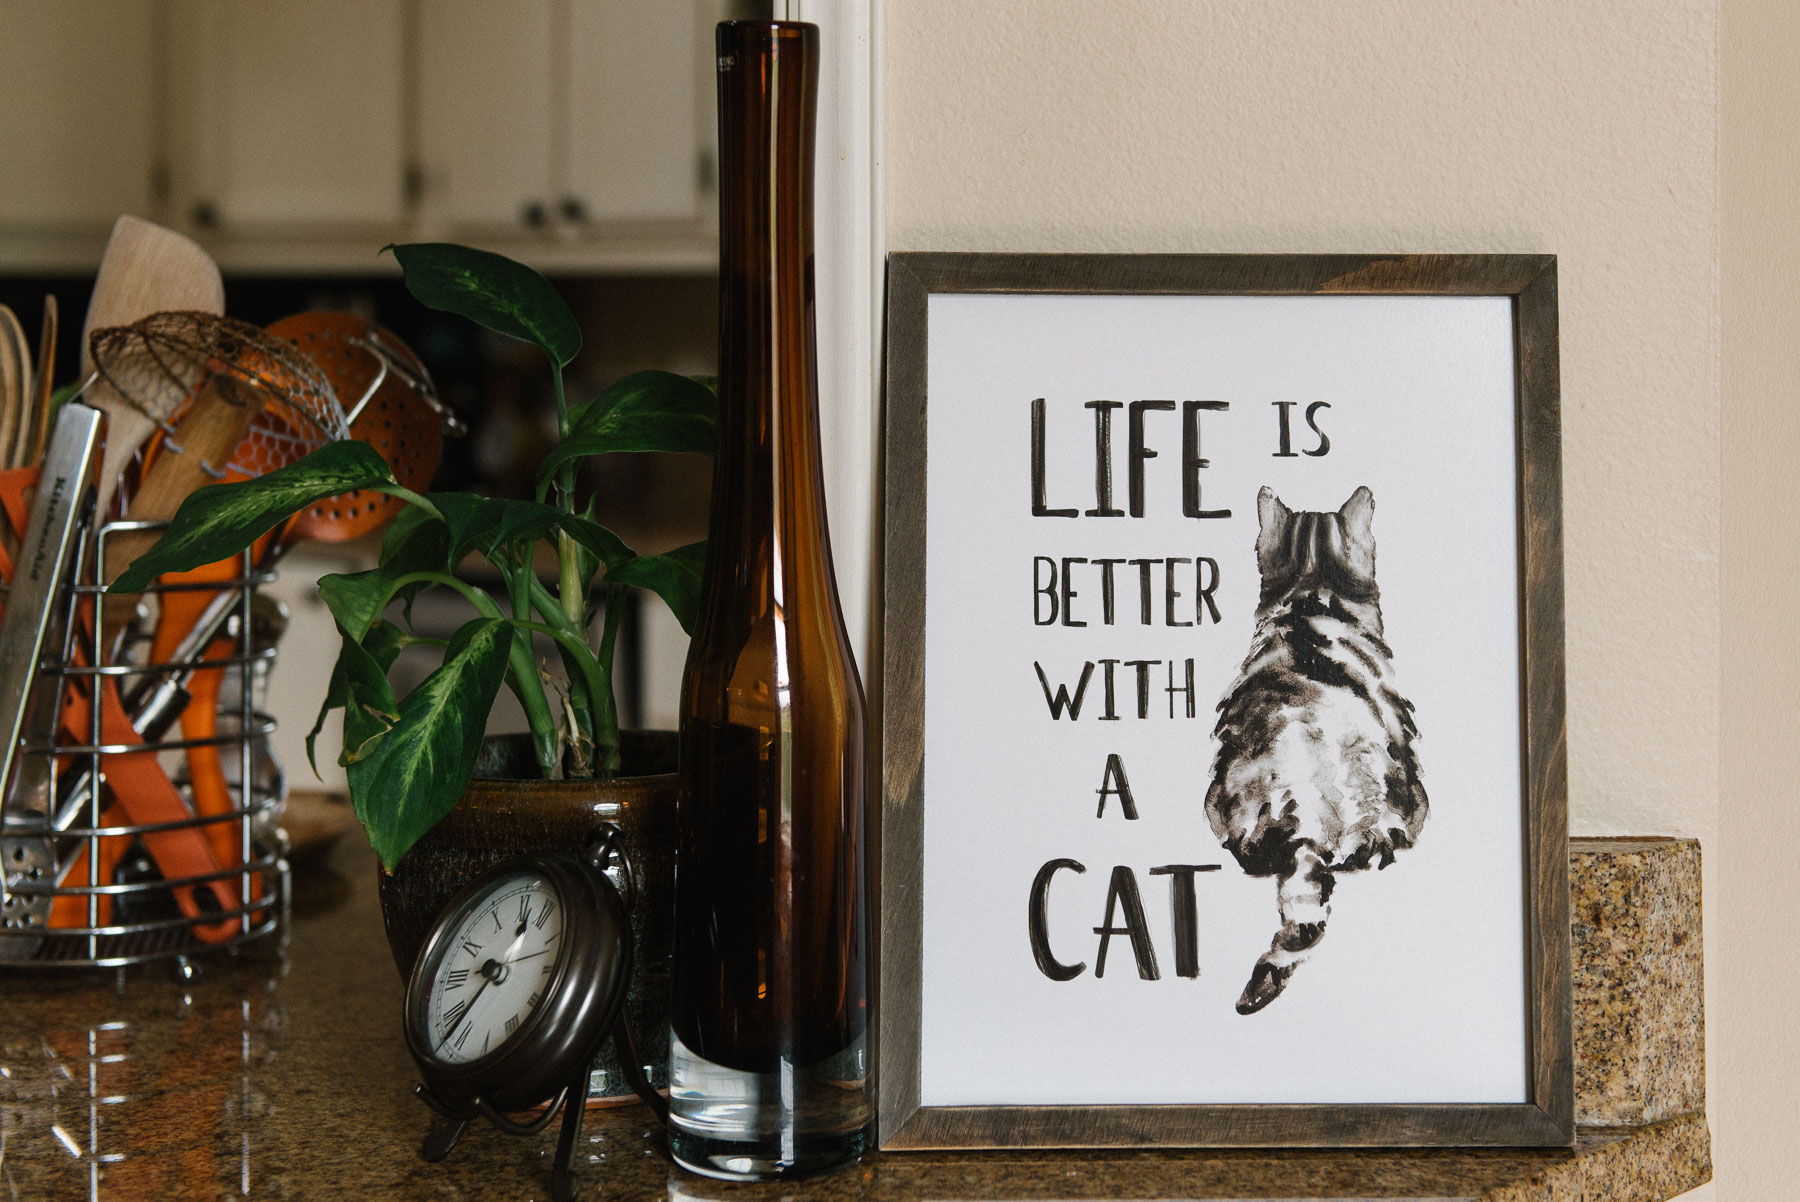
x=108, y=894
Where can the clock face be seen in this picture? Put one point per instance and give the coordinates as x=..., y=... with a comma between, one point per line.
x=497, y=960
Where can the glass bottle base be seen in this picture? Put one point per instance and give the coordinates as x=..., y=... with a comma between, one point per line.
x=785, y=1123
x=730, y=1160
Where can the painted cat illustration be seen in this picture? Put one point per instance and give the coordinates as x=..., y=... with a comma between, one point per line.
x=1315, y=773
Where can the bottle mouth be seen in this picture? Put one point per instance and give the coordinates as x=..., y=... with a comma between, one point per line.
x=775, y=29
x=752, y=37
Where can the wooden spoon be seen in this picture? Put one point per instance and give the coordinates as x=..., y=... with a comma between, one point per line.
x=15, y=382
x=146, y=269
x=36, y=428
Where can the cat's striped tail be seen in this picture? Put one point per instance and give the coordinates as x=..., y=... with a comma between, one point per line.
x=1304, y=896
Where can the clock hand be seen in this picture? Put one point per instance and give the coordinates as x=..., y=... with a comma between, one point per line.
x=487, y=978
x=506, y=956
x=491, y=972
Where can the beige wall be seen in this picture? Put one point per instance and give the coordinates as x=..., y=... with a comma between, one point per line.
x=1587, y=128
x=1581, y=127
x=1755, y=967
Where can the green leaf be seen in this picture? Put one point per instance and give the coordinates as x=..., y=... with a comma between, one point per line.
x=645, y=411
x=414, y=533
x=364, y=663
x=370, y=710
x=366, y=720
x=675, y=576
x=486, y=524
x=641, y=390
x=600, y=542
x=356, y=599
x=416, y=541
x=222, y=519
x=412, y=774
x=492, y=291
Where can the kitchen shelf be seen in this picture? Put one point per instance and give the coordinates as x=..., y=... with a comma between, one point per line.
x=337, y=254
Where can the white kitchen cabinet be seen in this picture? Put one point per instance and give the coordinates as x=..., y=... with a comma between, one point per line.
x=299, y=135
x=288, y=114
x=78, y=138
x=486, y=97
x=570, y=118
x=635, y=132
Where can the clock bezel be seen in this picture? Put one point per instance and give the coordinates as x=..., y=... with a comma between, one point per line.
x=581, y=1000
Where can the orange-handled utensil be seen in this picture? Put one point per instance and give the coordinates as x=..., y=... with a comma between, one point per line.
x=143, y=792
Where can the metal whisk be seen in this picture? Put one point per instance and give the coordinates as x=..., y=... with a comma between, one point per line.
x=159, y=362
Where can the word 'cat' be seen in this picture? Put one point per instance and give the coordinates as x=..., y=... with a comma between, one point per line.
x=1315, y=773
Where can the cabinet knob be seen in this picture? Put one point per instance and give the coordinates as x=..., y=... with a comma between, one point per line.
x=534, y=215
x=204, y=215
x=574, y=209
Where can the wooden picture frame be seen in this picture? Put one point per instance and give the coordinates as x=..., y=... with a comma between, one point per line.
x=908, y=1119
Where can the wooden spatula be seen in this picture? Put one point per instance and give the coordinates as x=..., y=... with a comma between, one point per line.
x=146, y=269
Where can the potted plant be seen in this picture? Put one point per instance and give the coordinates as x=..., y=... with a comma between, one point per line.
x=412, y=760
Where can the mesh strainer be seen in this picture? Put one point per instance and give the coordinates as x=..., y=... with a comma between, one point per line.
x=159, y=362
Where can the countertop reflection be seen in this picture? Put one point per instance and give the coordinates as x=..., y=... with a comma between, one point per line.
x=279, y=1072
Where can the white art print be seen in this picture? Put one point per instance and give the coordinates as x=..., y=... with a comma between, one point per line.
x=1222, y=777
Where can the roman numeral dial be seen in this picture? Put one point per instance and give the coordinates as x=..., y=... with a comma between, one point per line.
x=501, y=950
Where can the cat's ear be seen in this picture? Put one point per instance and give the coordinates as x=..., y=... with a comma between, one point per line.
x=1270, y=512
x=1358, y=515
x=1274, y=518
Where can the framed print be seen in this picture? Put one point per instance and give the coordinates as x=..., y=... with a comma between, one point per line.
x=1222, y=729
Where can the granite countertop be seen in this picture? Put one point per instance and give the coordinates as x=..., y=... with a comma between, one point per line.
x=279, y=1072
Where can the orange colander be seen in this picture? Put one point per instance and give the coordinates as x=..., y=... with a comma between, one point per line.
x=391, y=405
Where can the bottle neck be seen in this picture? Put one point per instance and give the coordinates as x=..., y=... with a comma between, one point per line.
x=768, y=499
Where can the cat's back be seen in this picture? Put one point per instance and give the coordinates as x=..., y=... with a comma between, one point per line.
x=1314, y=742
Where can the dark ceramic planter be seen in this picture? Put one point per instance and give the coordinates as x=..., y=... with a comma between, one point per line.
x=501, y=815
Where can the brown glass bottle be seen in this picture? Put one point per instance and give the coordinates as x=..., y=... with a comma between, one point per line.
x=769, y=1066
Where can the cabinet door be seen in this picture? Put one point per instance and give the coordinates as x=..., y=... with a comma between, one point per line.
x=485, y=125
x=291, y=114
x=78, y=93
x=634, y=128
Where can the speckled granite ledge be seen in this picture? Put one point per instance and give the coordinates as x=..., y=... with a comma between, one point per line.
x=1640, y=1023
x=279, y=1073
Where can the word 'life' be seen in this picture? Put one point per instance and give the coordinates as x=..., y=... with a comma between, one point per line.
x=1139, y=452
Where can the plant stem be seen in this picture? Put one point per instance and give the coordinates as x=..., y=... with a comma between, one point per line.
x=409, y=496
x=609, y=637
x=593, y=680
x=568, y=556
x=562, y=400
x=483, y=603
x=576, y=653
x=547, y=739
